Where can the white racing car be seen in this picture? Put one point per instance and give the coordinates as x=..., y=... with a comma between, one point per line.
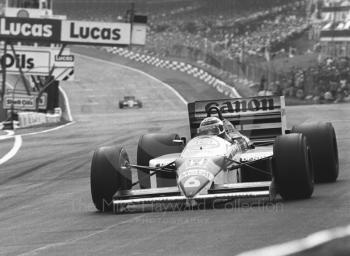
x=266, y=161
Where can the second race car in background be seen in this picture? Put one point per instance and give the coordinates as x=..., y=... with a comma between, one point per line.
x=130, y=102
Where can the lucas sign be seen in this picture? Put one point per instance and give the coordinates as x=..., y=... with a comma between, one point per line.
x=14, y=28
x=71, y=32
x=95, y=32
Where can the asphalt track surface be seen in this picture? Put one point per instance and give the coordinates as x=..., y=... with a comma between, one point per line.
x=45, y=203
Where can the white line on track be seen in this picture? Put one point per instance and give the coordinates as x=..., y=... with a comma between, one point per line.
x=136, y=70
x=49, y=130
x=78, y=239
x=297, y=246
x=16, y=146
x=18, y=141
x=9, y=135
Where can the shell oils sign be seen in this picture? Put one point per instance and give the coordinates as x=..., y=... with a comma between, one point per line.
x=24, y=102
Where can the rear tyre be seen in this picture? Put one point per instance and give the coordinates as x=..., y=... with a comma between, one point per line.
x=324, y=150
x=120, y=105
x=151, y=146
x=292, y=167
x=107, y=176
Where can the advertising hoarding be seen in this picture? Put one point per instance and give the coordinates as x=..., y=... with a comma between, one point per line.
x=70, y=31
x=84, y=32
x=37, y=60
x=23, y=101
x=22, y=29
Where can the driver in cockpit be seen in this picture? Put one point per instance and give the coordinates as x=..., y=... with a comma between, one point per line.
x=224, y=129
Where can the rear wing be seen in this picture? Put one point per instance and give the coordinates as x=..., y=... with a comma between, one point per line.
x=261, y=119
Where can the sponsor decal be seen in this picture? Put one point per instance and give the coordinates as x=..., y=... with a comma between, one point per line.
x=196, y=172
x=95, y=32
x=244, y=105
x=207, y=142
x=192, y=182
x=196, y=162
x=248, y=157
x=30, y=29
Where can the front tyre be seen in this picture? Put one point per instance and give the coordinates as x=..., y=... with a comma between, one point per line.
x=108, y=175
x=292, y=167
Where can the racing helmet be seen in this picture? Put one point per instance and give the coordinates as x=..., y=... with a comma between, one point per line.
x=211, y=126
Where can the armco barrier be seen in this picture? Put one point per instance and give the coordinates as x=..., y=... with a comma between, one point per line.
x=29, y=119
x=64, y=105
x=178, y=66
x=53, y=118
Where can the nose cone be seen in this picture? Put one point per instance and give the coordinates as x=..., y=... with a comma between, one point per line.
x=192, y=181
x=192, y=185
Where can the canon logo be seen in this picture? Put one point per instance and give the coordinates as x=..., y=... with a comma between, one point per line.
x=11, y=28
x=243, y=105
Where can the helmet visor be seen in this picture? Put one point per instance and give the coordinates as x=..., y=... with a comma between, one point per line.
x=211, y=130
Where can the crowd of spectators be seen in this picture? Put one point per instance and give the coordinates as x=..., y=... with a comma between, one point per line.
x=325, y=83
x=232, y=33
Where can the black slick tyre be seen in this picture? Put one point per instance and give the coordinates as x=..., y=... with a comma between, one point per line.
x=108, y=175
x=292, y=167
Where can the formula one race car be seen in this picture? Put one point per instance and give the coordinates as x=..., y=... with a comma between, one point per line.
x=265, y=161
x=130, y=102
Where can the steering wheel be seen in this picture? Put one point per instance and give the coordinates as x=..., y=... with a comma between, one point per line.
x=214, y=109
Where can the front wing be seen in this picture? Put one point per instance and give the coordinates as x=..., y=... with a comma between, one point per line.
x=173, y=194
